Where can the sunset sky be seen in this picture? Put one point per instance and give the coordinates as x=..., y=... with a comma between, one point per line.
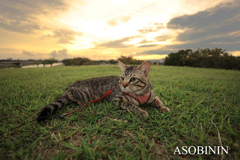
x=107, y=29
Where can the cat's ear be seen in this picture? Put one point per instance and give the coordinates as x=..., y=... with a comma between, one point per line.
x=145, y=67
x=122, y=66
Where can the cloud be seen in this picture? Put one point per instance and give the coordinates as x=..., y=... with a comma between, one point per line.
x=125, y=18
x=27, y=53
x=13, y=56
x=119, y=43
x=210, y=43
x=112, y=22
x=54, y=53
x=146, y=7
x=63, y=52
x=21, y=16
x=64, y=36
x=214, y=27
x=162, y=38
x=8, y=50
x=116, y=21
x=17, y=54
x=149, y=45
x=155, y=52
x=144, y=41
x=153, y=28
x=60, y=53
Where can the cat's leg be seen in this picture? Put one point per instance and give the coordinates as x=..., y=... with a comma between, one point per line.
x=128, y=104
x=159, y=104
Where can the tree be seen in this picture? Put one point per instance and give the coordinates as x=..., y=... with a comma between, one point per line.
x=44, y=62
x=77, y=61
x=125, y=60
x=177, y=59
x=112, y=61
x=37, y=62
x=51, y=61
x=206, y=58
x=155, y=63
x=129, y=60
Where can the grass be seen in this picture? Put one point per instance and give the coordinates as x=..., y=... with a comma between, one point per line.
x=202, y=102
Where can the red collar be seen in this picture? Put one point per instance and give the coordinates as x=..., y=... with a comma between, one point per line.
x=142, y=99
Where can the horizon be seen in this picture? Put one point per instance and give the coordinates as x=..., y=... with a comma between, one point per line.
x=11, y=59
x=107, y=29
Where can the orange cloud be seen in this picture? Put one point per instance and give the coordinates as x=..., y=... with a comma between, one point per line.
x=64, y=36
x=120, y=20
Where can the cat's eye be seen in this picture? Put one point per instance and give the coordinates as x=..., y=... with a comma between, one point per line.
x=132, y=79
x=122, y=78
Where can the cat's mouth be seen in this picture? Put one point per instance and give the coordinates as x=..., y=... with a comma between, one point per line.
x=127, y=90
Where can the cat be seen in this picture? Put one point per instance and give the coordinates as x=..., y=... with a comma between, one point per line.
x=134, y=89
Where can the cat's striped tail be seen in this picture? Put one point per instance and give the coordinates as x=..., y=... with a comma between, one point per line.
x=52, y=108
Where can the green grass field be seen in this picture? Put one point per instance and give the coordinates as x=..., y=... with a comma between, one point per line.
x=202, y=102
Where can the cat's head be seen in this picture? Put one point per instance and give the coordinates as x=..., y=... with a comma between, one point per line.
x=134, y=79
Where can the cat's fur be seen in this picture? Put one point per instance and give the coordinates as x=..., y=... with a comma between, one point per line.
x=85, y=91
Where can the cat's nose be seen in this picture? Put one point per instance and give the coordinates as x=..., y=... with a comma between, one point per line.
x=125, y=84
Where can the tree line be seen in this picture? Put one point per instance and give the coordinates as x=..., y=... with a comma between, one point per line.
x=204, y=58
x=46, y=61
x=86, y=61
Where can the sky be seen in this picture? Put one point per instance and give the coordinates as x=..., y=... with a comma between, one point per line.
x=108, y=29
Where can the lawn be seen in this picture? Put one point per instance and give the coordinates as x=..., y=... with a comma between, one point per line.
x=204, y=103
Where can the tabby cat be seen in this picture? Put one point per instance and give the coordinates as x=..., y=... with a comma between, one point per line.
x=134, y=89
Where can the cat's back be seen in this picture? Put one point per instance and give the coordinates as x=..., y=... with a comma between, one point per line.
x=99, y=83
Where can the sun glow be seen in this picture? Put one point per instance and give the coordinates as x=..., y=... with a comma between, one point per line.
x=235, y=53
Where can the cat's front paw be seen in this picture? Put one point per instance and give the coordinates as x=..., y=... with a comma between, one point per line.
x=144, y=114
